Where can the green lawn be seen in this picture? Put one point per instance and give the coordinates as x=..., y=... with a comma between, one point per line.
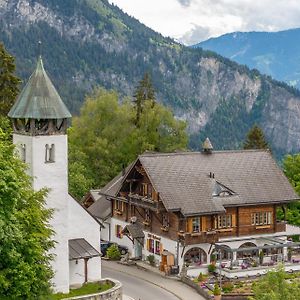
x=89, y=288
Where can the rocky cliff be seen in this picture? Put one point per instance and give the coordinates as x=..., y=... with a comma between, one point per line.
x=90, y=42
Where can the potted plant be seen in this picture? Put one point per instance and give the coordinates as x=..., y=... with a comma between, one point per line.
x=217, y=292
x=151, y=259
x=213, y=258
x=211, y=268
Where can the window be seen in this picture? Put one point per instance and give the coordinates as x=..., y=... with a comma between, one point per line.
x=165, y=220
x=146, y=190
x=261, y=218
x=196, y=224
x=49, y=153
x=118, y=231
x=224, y=221
x=23, y=152
x=147, y=216
x=153, y=246
x=119, y=205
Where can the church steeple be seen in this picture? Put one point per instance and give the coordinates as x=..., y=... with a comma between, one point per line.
x=39, y=109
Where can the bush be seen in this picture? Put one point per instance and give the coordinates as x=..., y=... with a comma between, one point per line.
x=151, y=259
x=227, y=287
x=201, y=277
x=217, y=290
x=113, y=252
x=211, y=268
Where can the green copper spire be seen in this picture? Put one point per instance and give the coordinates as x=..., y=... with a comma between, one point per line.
x=39, y=98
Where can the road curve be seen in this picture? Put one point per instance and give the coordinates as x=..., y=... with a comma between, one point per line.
x=137, y=288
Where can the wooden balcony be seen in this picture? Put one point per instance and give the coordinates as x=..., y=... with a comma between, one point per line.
x=145, y=202
x=199, y=237
x=280, y=226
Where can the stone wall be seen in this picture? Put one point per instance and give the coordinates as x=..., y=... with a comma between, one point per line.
x=196, y=286
x=115, y=293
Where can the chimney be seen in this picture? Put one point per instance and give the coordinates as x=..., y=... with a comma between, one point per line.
x=207, y=146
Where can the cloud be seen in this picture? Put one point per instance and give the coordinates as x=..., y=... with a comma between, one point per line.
x=185, y=3
x=196, y=34
x=192, y=21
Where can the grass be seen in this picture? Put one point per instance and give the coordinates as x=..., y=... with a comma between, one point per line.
x=88, y=288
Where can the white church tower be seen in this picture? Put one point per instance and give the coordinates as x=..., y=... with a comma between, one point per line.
x=40, y=123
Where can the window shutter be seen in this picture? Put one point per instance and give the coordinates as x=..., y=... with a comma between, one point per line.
x=116, y=230
x=203, y=223
x=233, y=220
x=148, y=244
x=190, y=225
x=161, y=248
x=215, y=222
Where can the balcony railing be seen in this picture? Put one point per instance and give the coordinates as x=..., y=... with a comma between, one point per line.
x=280, y=226
x=199, y=237
x=145, y=202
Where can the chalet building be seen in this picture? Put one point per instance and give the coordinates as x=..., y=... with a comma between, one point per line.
x=40, y=121
x=191, y=205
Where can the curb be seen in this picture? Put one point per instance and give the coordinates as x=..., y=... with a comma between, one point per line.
x=158, y=285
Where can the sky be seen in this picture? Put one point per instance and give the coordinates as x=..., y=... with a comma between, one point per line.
x=192, y=21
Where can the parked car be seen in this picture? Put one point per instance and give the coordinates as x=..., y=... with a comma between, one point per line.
x=106, y=244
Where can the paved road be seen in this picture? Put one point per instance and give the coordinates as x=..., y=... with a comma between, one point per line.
x=146, y=285
x=138, y=288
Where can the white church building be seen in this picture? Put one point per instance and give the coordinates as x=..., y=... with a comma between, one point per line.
x=40, y=134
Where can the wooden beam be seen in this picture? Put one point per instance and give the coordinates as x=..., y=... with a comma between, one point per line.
x=86, y=270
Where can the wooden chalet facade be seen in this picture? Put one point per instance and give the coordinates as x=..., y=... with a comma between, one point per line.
x=187, y=202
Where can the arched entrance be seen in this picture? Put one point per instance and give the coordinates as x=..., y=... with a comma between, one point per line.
x=247, y=253
x=195, y=255
x=225, y=254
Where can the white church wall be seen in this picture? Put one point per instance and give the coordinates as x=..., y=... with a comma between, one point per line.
x=83, y=225
x=54, y=176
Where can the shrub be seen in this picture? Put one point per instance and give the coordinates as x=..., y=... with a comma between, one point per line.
x=217, y=290
x=211, y=268
x=227, y=287
x=151, y=259
x=201, y=277
x=113, y=252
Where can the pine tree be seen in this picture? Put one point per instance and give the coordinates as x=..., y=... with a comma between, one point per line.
x=144, y=92
x=255, y=139
x=8, y=81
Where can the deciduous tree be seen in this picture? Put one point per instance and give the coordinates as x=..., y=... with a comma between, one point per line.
x=105, y=137
x=25, y=236
x=274, y=286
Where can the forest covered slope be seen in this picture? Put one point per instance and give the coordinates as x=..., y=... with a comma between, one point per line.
x=87, y=43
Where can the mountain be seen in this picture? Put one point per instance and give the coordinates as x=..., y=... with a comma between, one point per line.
x=90, y=42
x=274, y=53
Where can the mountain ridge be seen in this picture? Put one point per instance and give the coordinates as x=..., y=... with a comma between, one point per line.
x=272, y=53
x=94, y=43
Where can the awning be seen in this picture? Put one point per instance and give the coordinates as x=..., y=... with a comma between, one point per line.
x=80, y=248
x=134, y=230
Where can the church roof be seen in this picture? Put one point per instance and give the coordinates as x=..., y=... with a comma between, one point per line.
x=39, y=98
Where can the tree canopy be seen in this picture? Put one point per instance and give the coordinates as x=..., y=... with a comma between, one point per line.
x=25, y=236
x=274, y=286
x=144, y=92
x=8, y=81
x=256, y=139
x=105, y=137
x=291, y=168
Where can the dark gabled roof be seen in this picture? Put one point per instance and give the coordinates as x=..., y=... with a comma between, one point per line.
x=102, y=207
x=39, y=98
x=183, y=179
x=80, y=248
x=134, y=230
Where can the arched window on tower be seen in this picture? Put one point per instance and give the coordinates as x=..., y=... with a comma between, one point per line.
x=23, y=152
x=49, y=153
